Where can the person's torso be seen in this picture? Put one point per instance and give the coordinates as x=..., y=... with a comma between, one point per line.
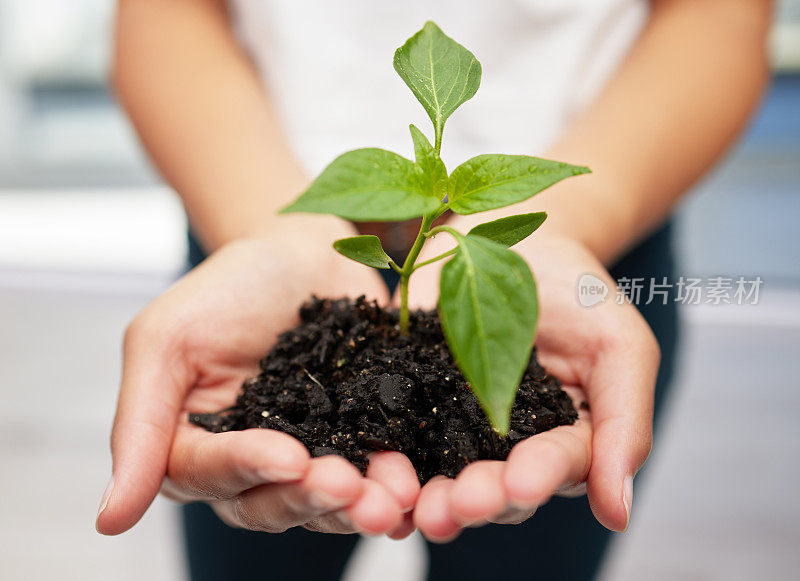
x=328, y=68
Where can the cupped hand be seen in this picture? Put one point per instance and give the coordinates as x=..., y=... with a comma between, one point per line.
x=606, y=354
x=190, y=350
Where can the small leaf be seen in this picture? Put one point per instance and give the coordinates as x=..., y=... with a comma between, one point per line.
x=493, y=181
x=364, y=249
x=488, y=309
x=368, y=185
x=510, y=230
x=434, y=174
x=441, y=73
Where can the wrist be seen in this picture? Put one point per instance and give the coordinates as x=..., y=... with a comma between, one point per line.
x=584, y=210
x=214, y=232
x=300, y=245
x=308, y=234
x=294, y=230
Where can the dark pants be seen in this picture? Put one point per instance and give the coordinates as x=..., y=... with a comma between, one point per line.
x=562, y=541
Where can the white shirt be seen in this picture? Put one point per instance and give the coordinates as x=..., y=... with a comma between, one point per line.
x=328, y=68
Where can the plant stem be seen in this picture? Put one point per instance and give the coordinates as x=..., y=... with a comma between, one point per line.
x=404, y=304
x=442, y=209
x=443, y=228
x=435, y=258
x=408, y=269
x=438, y=138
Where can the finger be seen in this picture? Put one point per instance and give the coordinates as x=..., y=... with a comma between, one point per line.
x=432, y=514
x=154, y=383
x=620, y=392
x=513, y=516
x=405, y=528
x=376, y=512
x=204, y=465
x=572, y=490
x=478, y=493
x=541, y=465
x=397, y=475
x=332, y=483
x=337, y=523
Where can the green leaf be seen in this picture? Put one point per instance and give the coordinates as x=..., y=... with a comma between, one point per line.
x=364, y=249
x=434, y=174
x=493, y=181
x=368, y=185
x=508, y=231
x=488, y=309
x=441, y=73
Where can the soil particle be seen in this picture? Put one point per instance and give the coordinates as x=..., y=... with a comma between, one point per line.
x=346, y=382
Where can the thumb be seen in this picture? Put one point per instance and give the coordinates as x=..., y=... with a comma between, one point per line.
x=620, y=393
x=154, y=383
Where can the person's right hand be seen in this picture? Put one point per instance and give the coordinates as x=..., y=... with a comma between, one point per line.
x=190, y=350
x=606, y=355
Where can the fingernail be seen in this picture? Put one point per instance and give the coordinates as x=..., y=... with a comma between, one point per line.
x=627, y=497
x=275, y=475
x=513, y=515
x=323, y=502
x=106, y=496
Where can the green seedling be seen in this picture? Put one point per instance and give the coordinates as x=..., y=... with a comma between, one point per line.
x=487, y=299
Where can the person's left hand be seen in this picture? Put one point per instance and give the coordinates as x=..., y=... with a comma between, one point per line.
x=606, y=354
x=490, y=491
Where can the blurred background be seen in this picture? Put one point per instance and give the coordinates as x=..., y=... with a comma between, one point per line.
x=88, y=235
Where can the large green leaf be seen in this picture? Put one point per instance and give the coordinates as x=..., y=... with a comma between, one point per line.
x=368, y=185
x=434, y=173
x=441, y=73
x=510, y=230
x=488, y=308
x=492, y=181
x=364, y=249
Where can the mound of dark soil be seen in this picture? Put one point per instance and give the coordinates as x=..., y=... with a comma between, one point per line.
x=346, y=382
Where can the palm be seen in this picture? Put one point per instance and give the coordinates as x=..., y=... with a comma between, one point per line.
x=232, y=312
x=234, y=308
x=605, y=354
